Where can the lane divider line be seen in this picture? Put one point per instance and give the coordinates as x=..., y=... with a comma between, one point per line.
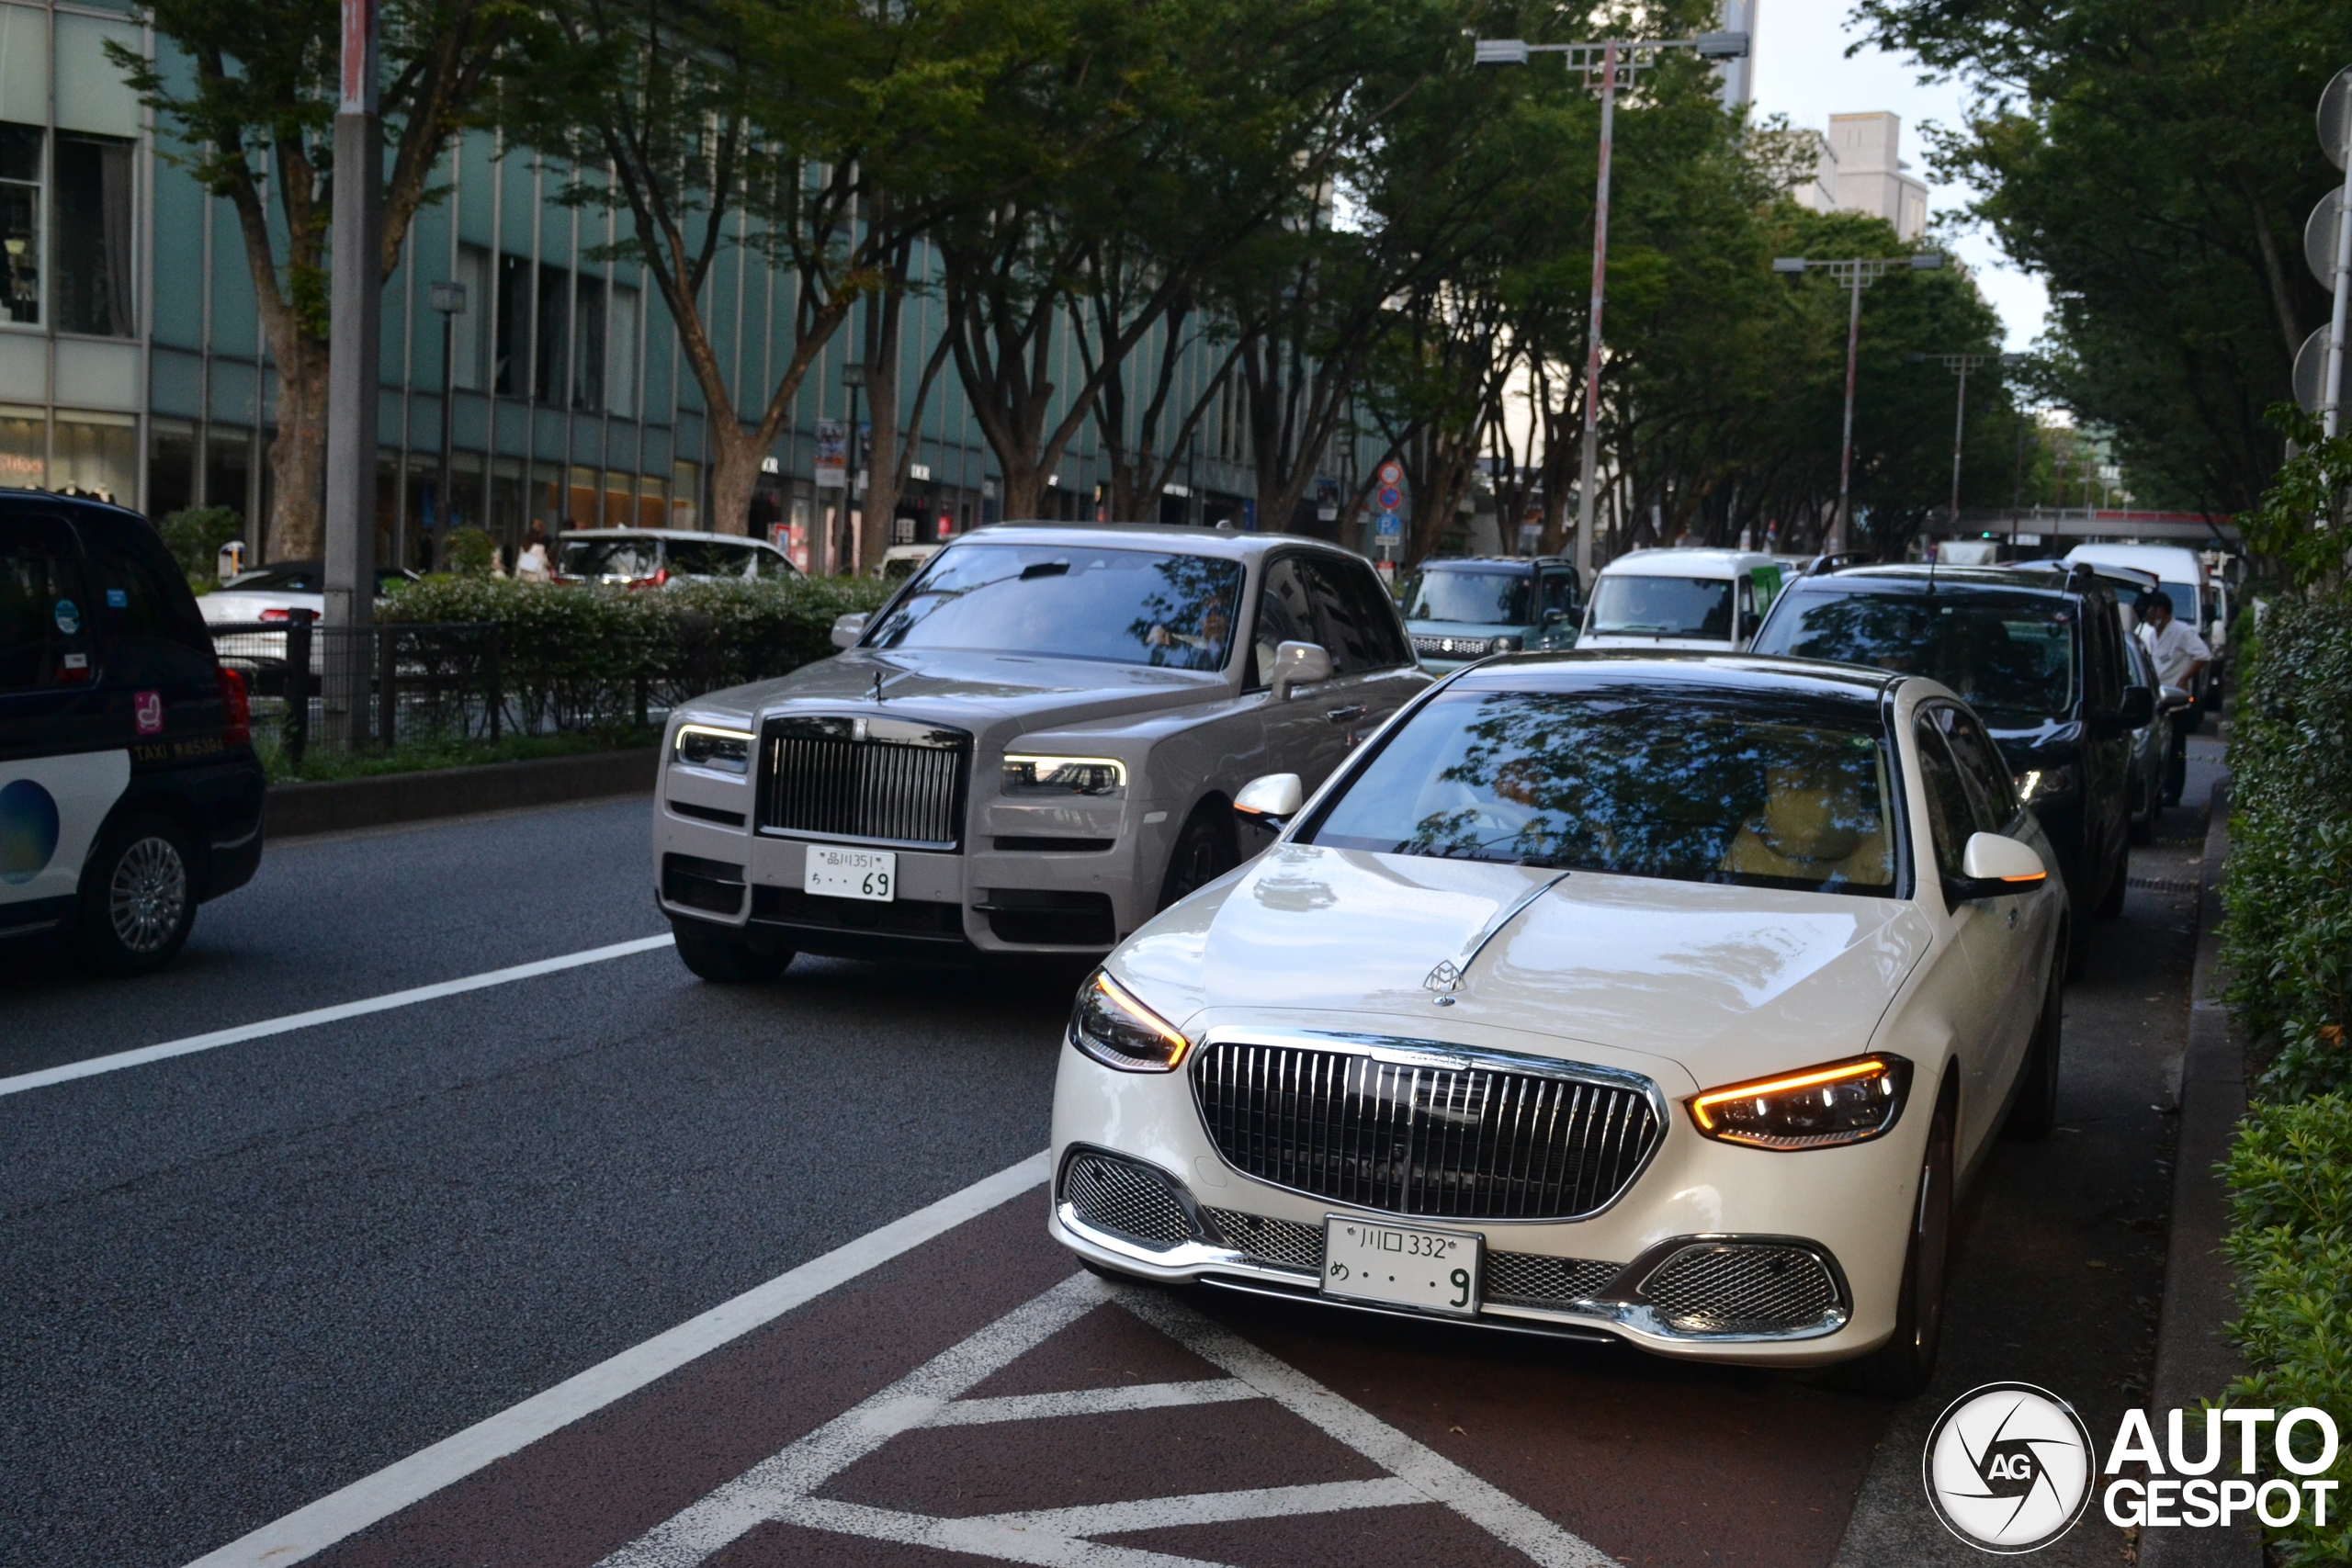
x=92, y=1067
x=342, y=1514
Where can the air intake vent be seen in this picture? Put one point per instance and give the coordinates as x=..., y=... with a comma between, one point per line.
x=1469, y=1142
x=1742, y=1288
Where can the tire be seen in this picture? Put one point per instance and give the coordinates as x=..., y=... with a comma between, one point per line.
x=1204, y=852
x=1901, y=1367
x=725, y=959
x=2035, y=1109
x=137, y=900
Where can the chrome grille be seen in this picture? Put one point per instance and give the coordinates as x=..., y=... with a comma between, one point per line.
x=1742, y=1288
x=870, y=780
x=1284, y=1244
x=1126, y=1199
x=1468, y=1142
x=1523, y=1279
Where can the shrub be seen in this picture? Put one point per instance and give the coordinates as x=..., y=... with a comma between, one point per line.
x=470, y=552
x=195, y=534
x=2291, y=1185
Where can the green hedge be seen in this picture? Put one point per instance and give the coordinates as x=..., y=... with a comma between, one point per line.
x=578, y=658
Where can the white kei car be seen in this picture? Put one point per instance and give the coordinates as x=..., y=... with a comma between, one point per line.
x=1656, y=997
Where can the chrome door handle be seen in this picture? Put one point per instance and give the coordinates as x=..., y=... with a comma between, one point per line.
x=1347, y=714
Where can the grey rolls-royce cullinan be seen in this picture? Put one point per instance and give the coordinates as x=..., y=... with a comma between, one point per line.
x=1032, y=747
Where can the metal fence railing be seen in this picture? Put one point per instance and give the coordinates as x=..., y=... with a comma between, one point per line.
x=408, y=681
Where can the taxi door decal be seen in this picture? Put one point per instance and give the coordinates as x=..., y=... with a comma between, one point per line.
x=51, y=809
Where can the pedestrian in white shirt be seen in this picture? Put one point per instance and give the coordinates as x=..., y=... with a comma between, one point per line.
x=2178, y=654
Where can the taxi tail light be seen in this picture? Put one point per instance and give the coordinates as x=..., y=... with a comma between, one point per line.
x=236, y=710
x=1110, y=1025
x=1822, y=1107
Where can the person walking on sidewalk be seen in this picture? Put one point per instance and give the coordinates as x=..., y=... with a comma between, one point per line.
x=2178, y=654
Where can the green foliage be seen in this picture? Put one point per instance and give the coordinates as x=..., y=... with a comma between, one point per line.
x=2289, y=935
x=195, y=534
x=452, y=750
x=576, y=658
x=2297, y=531
x=2291, y=1186
x=470, y=552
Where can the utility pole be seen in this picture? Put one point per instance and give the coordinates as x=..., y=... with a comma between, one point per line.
x=1856, y=273
x=355, y=297
x=1606, y=65
x=2336, y=137
x=449, y=299
x=1961, y=365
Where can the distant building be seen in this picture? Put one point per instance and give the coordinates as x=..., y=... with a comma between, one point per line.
x=1738, y=76
x=1856, y=169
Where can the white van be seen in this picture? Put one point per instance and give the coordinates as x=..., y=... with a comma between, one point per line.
x=1706, y=601
x=2198, y=597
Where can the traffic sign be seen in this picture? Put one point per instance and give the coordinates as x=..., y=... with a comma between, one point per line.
x=1387, y=527
x=1392, y=474
x=1391, y=498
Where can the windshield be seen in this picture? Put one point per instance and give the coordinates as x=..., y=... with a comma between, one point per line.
x=2010, y=656
x=1476, y=598
x=1628, y=605
x=2184, y=601
x=1175, y=612
x=1784, y=796
x=610, y=557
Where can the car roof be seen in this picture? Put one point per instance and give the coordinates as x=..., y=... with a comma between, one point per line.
x=662, y=534
x=1127, y=535
x=2186, y=564
x=1487, y=563
x=1677, y=562
x=1728, y=673
x=1907, y=578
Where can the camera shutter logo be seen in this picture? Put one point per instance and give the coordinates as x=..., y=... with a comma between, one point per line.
x=2009, y=1466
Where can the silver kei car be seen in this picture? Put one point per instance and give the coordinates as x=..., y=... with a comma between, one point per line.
x=1032, y=747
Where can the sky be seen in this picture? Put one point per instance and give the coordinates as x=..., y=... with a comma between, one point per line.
x=1801, y=71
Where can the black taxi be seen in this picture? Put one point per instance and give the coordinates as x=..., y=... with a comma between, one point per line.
x=128, y=789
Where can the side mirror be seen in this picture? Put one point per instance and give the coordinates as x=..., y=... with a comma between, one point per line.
x=2172, y=699
x=1270, y=801
x=1298, y=664
x=1995, y=867
x=1555, y=617
x=2138, y=708
x=847, y=629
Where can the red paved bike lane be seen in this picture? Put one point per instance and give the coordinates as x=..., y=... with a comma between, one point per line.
x=976, y=1399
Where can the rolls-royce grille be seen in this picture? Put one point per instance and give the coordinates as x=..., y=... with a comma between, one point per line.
x=881, y=781
x=1460, y=1143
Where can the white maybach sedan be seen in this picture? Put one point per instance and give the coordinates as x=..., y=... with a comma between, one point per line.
x=1665, y=999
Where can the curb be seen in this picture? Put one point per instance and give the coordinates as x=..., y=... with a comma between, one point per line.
x=2195, y=1359
x=294, y=810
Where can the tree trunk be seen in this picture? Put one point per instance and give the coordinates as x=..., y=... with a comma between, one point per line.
x=298, y=455
x=882, y=399
x=734, y=472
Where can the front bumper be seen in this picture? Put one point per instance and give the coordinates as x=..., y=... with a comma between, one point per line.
x=1821, y=1233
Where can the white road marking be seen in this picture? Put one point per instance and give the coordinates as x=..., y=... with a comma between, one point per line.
x=92, y=1065
x=781, y=1487
x=1092, y=1402
x=363, y=1503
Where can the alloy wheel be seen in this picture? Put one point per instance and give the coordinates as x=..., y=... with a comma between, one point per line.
x=148, y=895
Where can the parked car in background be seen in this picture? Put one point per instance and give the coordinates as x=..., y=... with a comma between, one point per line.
x=654, y=557
x=2040, y=656
x=269, y=592
x=129, y=792
x=903, y=561
x=2199, y=599
x=1459, y=611
x=1704, y=600
x=1030, y=748
x=1670, y=1000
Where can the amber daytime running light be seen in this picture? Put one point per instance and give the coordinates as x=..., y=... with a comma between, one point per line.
x=1119, y=1031
x=1839, y=1103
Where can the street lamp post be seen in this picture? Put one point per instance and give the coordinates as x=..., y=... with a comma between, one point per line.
x=1959, y=364
x=1856, y=273
x=355, y=295
x=1608, y=65
x=449, y=299
x=852, y=378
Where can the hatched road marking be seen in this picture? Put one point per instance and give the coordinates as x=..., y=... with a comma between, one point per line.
x=92, y=1067
x=780, y=1489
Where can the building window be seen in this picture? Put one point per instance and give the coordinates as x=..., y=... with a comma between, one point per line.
x=555, y=334
x=228, y=469
x=97, y=454
x=171, y=466
x=620, y=353
x=588, y=350
x=466, y=335
x=91, y=230
x=20, y=222
x=24, y=448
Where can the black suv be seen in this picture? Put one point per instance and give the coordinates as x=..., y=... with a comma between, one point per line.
x=129, y=788
x=2040, y=659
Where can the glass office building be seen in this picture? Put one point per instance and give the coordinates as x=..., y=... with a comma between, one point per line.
x=132, y=362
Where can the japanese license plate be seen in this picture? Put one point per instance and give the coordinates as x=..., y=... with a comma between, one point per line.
x=1435, y=1271
x=851, y=873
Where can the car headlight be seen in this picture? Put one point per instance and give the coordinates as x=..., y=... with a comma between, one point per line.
x=1110, y=1025
x=1097, y=777
x=1505, y=644
x=708, y=746
x=2041, y=786
x=1839, y=1103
